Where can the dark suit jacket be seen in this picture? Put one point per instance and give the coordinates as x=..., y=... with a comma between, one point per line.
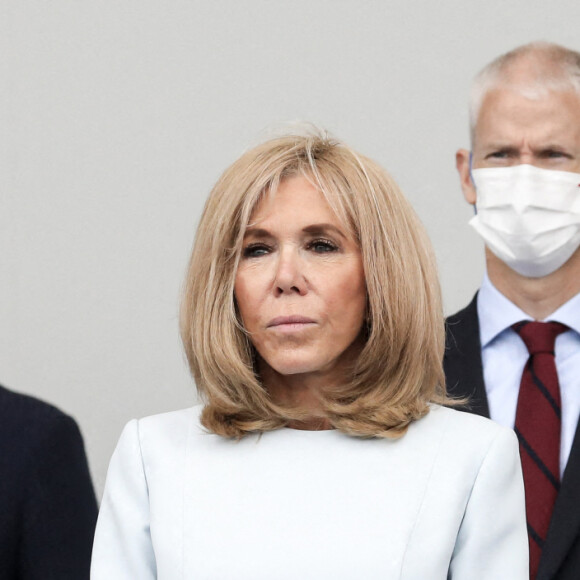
x=464, y=374
x=47, y=503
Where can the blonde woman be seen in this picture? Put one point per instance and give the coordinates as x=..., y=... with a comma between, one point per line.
x=313, y=327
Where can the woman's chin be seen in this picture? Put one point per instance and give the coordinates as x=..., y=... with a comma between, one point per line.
x=295, y=366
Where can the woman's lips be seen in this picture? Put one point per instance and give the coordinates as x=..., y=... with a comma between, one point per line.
x=294, y=322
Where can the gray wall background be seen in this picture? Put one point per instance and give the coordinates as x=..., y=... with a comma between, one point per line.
x=117, y=116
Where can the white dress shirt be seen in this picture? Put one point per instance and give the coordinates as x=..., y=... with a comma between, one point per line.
x=504, y=356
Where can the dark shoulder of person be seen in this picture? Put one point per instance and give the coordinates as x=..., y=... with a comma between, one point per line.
x=47, y=503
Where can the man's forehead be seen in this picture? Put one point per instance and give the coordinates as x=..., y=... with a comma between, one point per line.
x=509, y=112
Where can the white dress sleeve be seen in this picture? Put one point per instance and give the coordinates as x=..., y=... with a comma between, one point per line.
x=122, y=548
x=492, y=542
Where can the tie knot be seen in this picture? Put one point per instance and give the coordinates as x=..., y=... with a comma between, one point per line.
x=539, y=336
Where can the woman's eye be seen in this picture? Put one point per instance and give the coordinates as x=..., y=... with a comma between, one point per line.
x=255, y=250
x=322, y=246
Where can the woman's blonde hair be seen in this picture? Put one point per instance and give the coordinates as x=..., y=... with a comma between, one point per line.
x=399, y=371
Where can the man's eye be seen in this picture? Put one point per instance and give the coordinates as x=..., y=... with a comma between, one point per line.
x=322, y=246
x=498, y=155
x=255, y=250
x=554, y=154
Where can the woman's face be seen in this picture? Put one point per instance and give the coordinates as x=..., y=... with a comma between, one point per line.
x=300, y=285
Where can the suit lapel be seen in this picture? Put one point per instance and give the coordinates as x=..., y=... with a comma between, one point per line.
x=565, y=523
x=462, y=360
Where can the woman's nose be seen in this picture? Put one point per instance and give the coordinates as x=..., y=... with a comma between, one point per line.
x=290, y=273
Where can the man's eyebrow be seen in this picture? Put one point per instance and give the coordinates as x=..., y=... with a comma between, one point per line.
x=499, y=147
x=551, y=147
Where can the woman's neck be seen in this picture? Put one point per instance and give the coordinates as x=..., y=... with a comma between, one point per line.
x=300, y=391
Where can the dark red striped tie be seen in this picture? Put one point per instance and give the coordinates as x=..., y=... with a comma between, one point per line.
x=538, y=426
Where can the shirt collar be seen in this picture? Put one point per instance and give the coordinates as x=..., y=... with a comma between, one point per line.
x=496, y=312
x=568, y=314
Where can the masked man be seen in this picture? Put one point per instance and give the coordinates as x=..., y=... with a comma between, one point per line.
x=515, y=350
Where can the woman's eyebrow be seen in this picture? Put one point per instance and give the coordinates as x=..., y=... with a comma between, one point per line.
x=313, y=229
x=257, y=233
x=317, y=229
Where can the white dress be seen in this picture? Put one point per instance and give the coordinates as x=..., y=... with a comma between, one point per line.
x=444, y=501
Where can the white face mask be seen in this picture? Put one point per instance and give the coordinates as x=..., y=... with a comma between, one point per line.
x=528, y=217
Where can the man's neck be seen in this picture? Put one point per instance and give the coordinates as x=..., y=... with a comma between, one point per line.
x=538, y=297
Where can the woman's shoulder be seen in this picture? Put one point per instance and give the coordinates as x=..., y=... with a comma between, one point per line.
x=162, y=431
x=455, y=419
x=173, y=423
x=464, y=432
x=180, y=419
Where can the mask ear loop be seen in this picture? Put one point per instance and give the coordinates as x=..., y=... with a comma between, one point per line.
x=471, y=177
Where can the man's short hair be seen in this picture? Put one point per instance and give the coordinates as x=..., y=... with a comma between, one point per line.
x=550, y=67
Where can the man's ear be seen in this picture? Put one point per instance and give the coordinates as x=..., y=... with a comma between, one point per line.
x=467, y=186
